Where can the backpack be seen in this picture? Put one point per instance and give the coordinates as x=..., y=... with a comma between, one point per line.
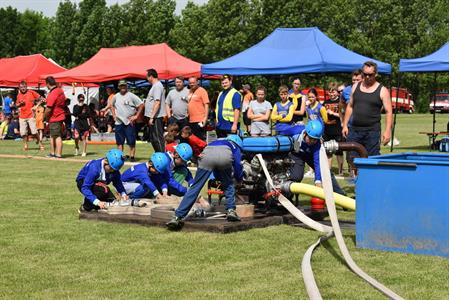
x=444, y=144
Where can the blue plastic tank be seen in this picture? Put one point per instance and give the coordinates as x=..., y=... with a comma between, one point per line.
x=403, y=203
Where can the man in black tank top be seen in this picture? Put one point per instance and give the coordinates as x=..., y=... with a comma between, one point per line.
x=365, y=105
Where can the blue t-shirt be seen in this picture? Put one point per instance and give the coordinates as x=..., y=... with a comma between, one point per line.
x=346, y=94
x=236, y=104
x=6, y=106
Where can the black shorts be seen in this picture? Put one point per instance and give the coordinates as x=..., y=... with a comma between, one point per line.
x=246, y=120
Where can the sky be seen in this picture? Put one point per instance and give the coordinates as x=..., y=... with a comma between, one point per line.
x=49, y=7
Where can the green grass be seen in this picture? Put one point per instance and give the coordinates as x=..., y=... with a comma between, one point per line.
x=47, y=253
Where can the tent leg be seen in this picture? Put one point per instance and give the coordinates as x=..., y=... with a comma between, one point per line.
x=434, y=104
x=395, y=111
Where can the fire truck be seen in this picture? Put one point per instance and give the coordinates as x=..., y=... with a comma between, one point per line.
x=404, y=100
x=441, y=102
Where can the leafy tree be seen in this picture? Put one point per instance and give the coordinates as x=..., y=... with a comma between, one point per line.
x=91, y=38
x=186, y=36
x=33, y=37
x=9, y=31
x=64, y=33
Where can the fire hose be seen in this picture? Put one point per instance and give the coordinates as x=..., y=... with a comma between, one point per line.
x=309, y=280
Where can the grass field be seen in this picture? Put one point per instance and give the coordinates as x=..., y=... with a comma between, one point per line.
x=47, y=253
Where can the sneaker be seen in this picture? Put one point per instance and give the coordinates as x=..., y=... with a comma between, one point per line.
x=309, y=173
x=77, y=152
x=84, y=154
x=125, y=203
x=175, y=223
x=50, y=155
x=132, y=159
x=232, y=216
x=138, y=203
x=81, y=209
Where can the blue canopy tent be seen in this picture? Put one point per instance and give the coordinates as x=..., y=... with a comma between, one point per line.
x=276, y=54
x=437, y=61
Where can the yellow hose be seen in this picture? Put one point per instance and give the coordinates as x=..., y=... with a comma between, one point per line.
x=311, y=190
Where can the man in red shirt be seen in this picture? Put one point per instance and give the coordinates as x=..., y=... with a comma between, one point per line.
x=25, y=101
x=55, y=115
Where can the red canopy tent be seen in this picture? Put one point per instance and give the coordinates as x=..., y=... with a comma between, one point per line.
x=131, y=62
x=29, y=68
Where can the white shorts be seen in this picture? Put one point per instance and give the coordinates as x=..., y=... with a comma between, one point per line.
x=25, y=123
x=259, y=128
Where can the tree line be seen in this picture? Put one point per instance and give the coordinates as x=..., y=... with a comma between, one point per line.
x=383, y=29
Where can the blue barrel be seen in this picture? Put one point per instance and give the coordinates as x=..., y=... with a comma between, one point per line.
x=268, y=144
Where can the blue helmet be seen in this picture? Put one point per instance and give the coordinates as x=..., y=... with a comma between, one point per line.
x=314, y=129
x=185, y=151
x=236, y=140
x=115, y=159
x=160, y=161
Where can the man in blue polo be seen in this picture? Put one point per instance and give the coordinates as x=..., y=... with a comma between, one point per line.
x=228, y=107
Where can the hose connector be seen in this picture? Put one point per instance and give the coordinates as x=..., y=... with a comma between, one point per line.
x=285, y=187
x=331, y=146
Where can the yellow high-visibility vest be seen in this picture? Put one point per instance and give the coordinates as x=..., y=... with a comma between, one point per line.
x=227, y=111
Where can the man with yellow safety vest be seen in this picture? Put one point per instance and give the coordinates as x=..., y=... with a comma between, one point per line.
x=228, y=107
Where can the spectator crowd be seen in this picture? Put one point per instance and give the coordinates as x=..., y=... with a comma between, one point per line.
x=187, y=115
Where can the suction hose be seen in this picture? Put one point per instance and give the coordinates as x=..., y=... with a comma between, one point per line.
x=333, y=146
x=310, y=190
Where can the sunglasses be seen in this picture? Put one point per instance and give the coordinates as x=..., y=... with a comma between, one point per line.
x=368, y=74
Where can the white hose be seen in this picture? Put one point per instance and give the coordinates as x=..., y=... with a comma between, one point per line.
x=309, y=279
x=290, y=207
x=330, y=203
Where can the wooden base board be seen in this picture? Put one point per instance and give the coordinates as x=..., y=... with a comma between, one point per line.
x=199, y=224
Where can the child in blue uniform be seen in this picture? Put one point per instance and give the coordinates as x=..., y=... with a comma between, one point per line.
x=315, y=111
x=178, y=163
x=307, y=151
x=283, y=114
x=222, y=158
x=94, y=177
x=151, y=179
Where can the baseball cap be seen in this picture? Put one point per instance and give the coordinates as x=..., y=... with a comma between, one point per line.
x=122, y=82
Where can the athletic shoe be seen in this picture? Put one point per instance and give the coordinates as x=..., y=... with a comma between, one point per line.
x=125, y=203
x=138, y=203
x=175, y=223
x=309, y=173
x=232, y=216
x=81, y=209
x=77, y=152
x=50, y=155
x=84, y=154
x=132, y=159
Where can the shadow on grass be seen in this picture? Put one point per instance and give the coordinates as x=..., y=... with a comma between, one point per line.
x=333, y=252
x=416, y=148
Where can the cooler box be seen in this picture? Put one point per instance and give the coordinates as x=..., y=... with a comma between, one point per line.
x=403, y=203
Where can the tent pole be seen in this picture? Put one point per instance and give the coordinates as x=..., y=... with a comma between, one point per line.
x=324, y=86
x=434, y=104
x=395, y=110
